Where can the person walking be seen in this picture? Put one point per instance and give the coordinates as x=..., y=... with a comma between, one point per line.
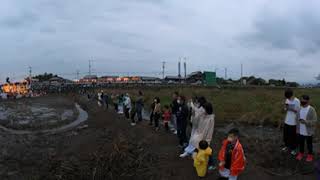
x=306, y=128
x=292, y=107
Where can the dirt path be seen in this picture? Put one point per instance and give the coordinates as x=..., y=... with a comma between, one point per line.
x=108, y=149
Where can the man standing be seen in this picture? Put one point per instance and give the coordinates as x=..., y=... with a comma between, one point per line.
x=292, y=107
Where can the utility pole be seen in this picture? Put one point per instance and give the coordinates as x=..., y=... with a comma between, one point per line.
x=179, y=68
x=90, y=67
x=163, y=68
x=185, y=68
x=30, y=75
x=78, y=75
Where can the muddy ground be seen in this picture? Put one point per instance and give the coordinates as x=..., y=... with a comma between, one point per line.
x=109, y=148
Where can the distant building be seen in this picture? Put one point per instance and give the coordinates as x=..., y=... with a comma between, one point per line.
x=145, y=79
x=195, y=77
x=89, y=79
x=173, y=79
x=107, y=79
x=59, y=81
x=209, y=78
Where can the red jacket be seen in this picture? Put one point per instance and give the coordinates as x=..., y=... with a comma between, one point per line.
x=237, y=159
x=166, y=116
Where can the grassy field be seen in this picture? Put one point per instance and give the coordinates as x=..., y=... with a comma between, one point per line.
x=257, y=106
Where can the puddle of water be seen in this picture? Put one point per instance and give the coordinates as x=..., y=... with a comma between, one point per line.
x=82, y=117
x=67, y=114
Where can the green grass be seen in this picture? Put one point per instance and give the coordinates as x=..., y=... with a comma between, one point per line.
x=251, y=105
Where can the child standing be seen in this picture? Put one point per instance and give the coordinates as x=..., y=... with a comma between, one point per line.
x=306, y=128
x=201, y=158
x=231, y=156
x=166, y=117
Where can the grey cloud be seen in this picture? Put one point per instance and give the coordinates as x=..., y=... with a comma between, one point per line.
x=137, y=35
x=25, y=19
x=297, y=31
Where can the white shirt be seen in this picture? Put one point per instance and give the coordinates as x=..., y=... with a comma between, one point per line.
x=303, y=115
x=291, y=117
x=127, y=102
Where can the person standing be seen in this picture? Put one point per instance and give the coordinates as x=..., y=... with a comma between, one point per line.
x=203, y=130
x=133, y=113
x=152, y=113
x=166, y=117
x=174, y=109
x=100, y=98
x=139, y=106
x=127, y=106
x=157, y=113
x=292, y=107
x=306, y=128
x=182, y=121
x=106, y=100
x=231, y=156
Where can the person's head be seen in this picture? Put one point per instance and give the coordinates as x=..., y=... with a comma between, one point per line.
x=233, y=135
x=156, y=100
x=140, y=93
x=181, y=100
x=166, y=107
x=195, y=99
x=305, y=100
x=127, y=94
x=208, y=107
x=175, y=95
x=203, y=145
x=288, y=93
x=202, y=100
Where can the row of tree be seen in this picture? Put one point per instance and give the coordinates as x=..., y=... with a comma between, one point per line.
x=254, y=81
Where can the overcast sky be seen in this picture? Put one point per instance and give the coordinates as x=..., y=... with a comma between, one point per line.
x=273, y=39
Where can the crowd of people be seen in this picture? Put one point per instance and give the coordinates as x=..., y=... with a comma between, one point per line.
x=176, y=117
x=197, y=113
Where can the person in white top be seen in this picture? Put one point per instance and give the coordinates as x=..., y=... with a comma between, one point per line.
x=292, y=107
x=127, y=106
x=306, y=128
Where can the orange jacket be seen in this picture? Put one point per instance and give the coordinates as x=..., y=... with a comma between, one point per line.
x=237, y=159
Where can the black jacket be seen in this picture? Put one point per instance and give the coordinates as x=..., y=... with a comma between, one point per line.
x=174, y=106
x=182, y=115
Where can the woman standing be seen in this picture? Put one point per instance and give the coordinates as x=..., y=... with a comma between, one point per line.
x=203, y=128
